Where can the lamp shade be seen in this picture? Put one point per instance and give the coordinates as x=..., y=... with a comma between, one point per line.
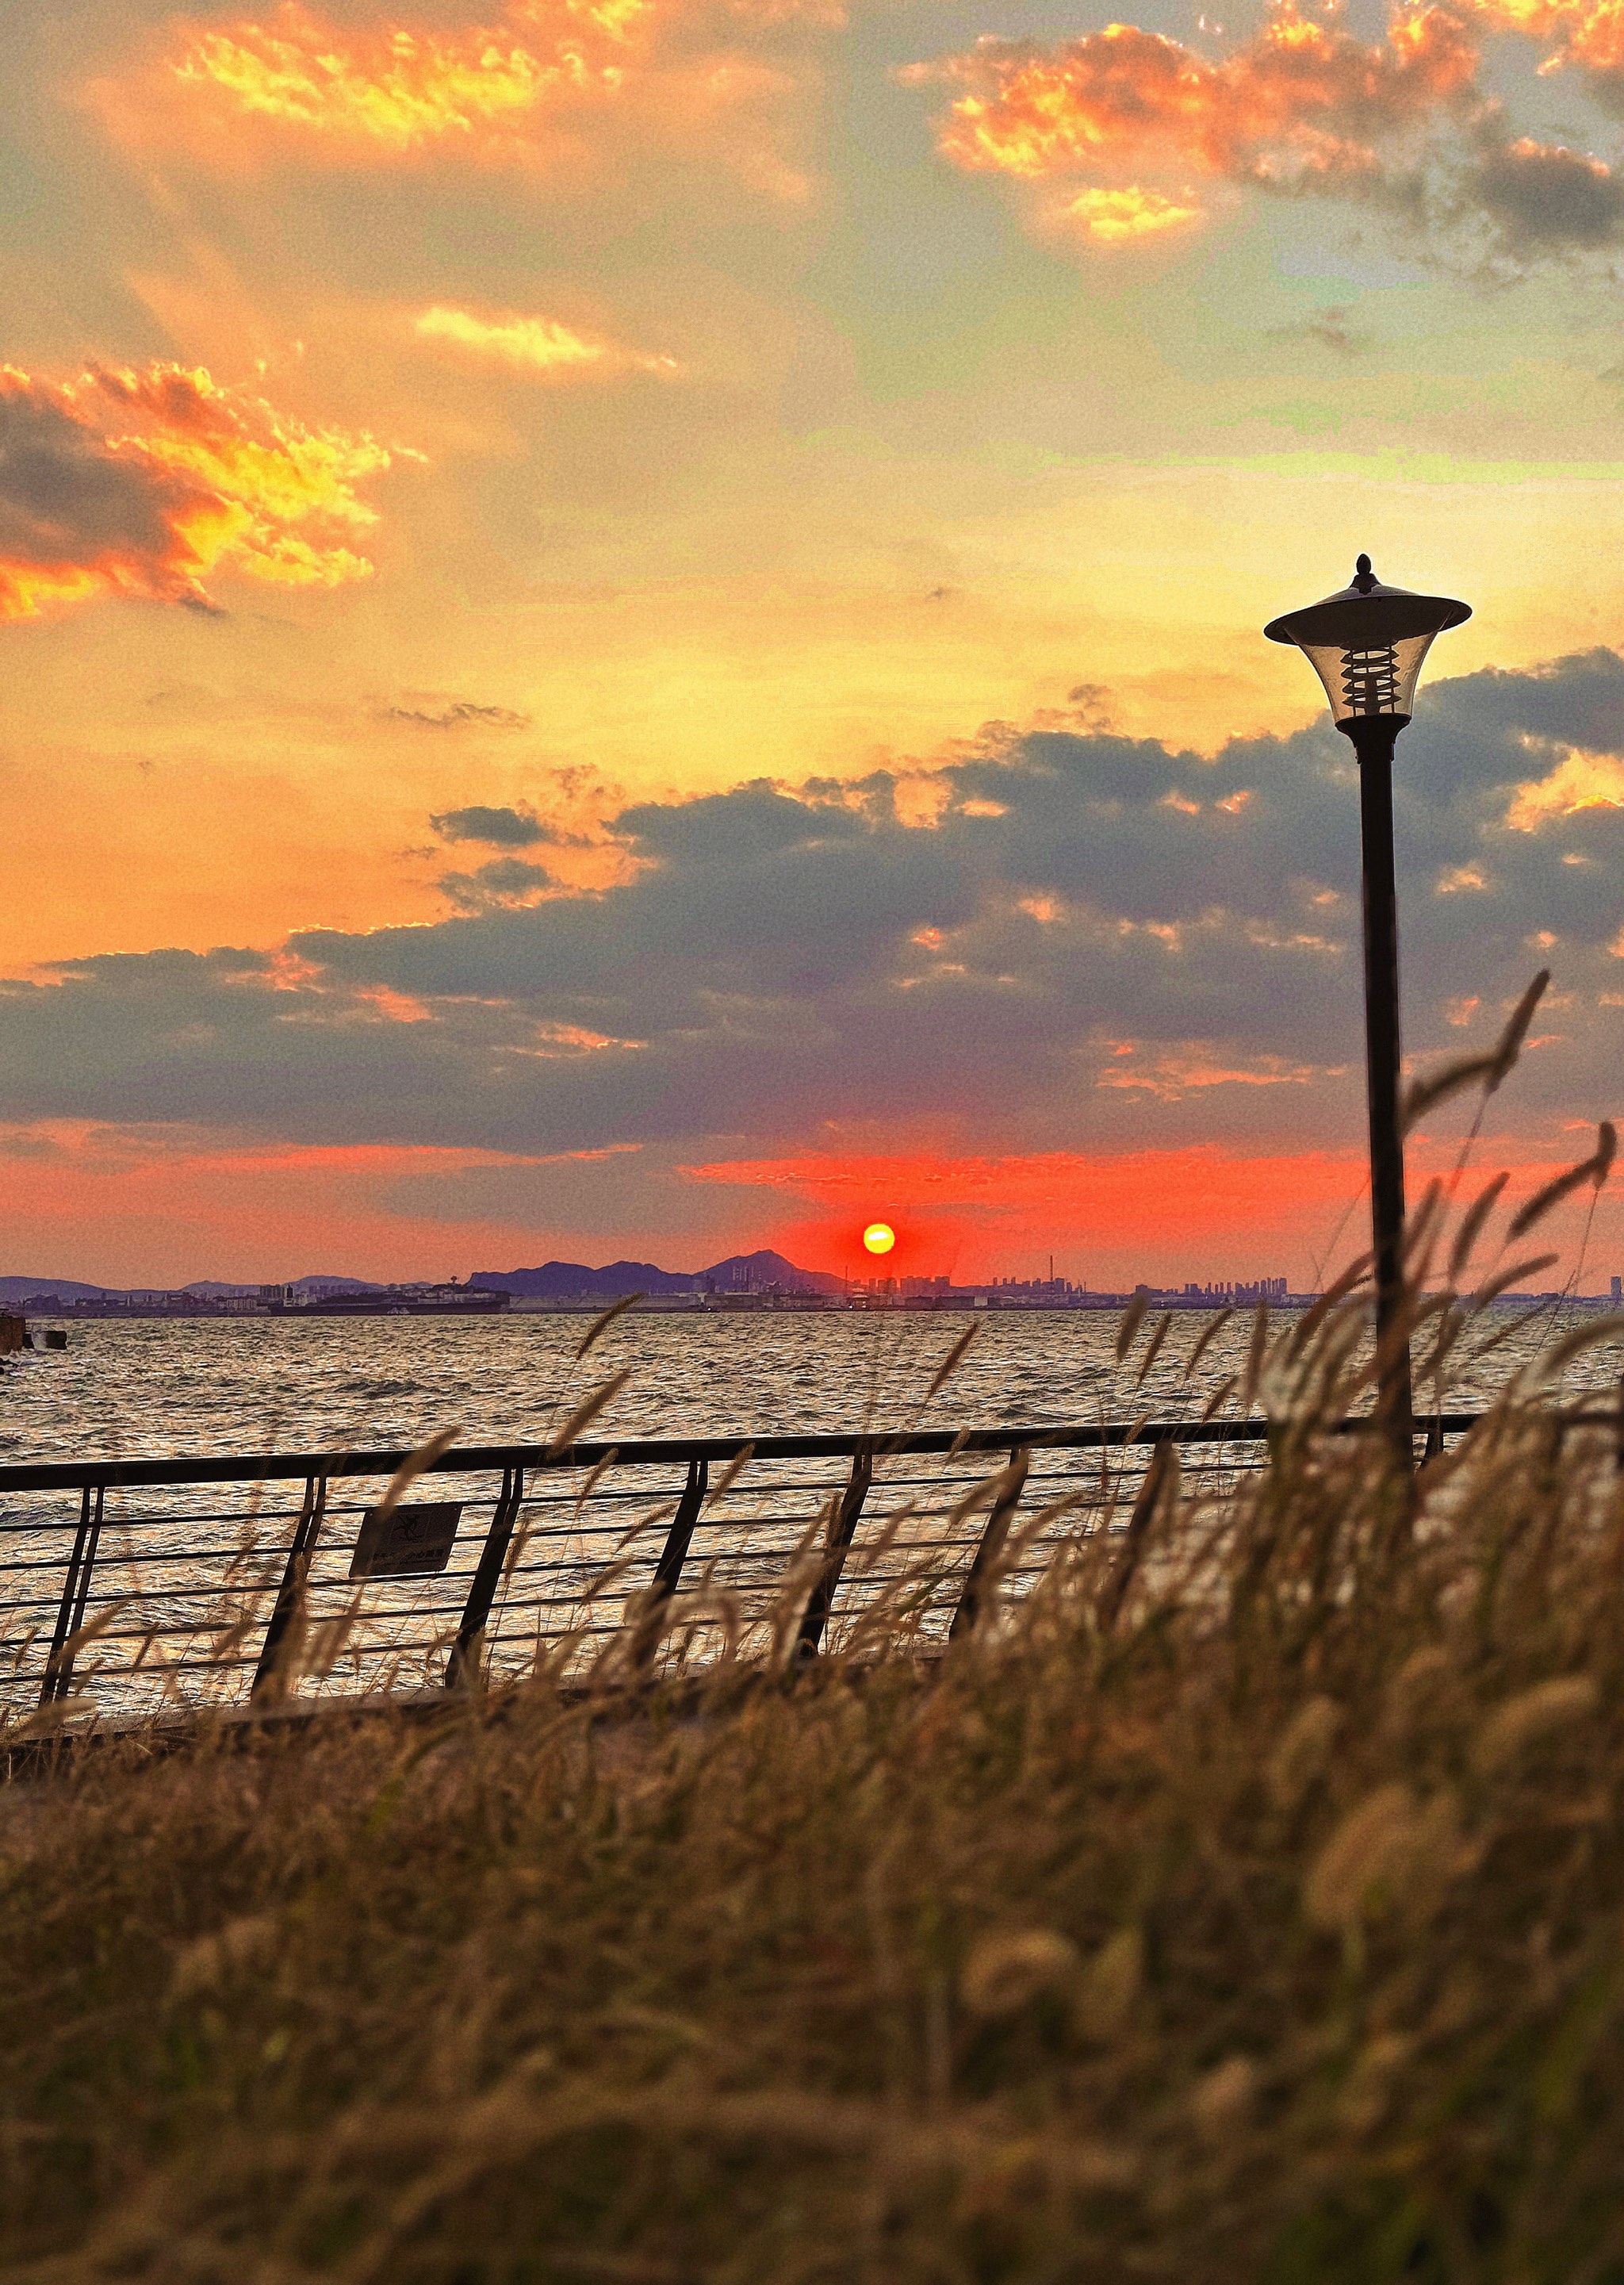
x=1367, y=644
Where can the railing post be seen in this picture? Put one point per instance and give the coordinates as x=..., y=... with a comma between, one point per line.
x=668, y=1570
x=289, y=1604
x=992, y=1544
x=76, y=1592
x=462, y=1666
x=821, y=1601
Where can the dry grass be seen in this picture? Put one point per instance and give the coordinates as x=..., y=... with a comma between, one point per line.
x=1257, y=1912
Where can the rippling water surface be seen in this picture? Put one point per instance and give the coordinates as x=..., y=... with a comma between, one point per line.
x=245, y=1385
x=175, y=1603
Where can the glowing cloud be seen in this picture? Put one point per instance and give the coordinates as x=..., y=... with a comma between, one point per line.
x=1587, y=33
x=522, y=90
x=538, y=90
x=1578, y=781
x=1299, y=97
x=531, y=344
x=1112, y=217
x=139, y=483
x=403, y=88
x=1299, y=106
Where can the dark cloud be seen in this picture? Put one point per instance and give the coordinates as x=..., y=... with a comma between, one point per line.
x=505, y=881
x=1546, y=198
x=1577, y=700
x=1097, y=942
x=497, y=828
x=459, y=714
x=1330, y=329
x=66, y=497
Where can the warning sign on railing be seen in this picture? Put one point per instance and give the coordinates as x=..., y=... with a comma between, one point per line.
x=406, y=1542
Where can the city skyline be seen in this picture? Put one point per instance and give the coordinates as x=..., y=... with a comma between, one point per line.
x=765, y=1271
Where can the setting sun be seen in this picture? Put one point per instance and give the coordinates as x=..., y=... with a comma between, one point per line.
x=879, y=1237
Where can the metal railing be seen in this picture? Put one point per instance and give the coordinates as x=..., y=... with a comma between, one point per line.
x=134, y=1587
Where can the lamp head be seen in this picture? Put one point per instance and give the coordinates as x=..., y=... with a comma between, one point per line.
x=1367, y=643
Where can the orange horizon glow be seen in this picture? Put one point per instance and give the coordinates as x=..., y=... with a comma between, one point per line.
x=1196, y=1211
x=162, y=1207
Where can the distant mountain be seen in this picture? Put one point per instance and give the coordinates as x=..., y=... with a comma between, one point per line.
x=573, y=1281
x=13, y=1290
x=552, y=1281
x=567, y=1280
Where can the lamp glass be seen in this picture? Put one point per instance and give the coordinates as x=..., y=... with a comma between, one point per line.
x=1366, y=645
x=1366, y=678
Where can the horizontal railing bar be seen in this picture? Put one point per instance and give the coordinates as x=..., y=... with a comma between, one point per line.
x=265, y=1550
x=156, y=1518
x=362, y=1645
x=475, y=1459
x=729, y=1559
x=255, y=1595
x=738, y=1507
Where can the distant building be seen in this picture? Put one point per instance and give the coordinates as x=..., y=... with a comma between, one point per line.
x=1618, y=1291
x=1269, y=1290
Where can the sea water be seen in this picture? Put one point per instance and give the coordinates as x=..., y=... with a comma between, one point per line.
x=158, y=1386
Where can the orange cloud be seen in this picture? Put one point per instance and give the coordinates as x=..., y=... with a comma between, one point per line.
x=1170, y=1077
x=1587, y=33
x=1579, y=781
x=1300, y=101
x=1112, y=217
x=530, y=344
x=509, y=92
x=1300, y=105
x=1299, y=93
x=140, y=483
x=402, y=88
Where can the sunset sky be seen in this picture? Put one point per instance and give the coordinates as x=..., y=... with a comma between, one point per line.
x=633, y=629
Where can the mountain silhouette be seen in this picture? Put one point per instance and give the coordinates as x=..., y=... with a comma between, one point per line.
x=568, y=1281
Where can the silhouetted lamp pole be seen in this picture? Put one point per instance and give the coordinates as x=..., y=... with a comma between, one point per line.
x=1366, y=645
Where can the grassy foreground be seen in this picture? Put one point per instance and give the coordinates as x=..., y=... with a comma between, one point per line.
x=1250, y=1904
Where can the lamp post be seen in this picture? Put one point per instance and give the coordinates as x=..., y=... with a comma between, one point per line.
x=1366, y=645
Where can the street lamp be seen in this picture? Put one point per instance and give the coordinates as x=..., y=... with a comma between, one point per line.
x=1366, y=645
